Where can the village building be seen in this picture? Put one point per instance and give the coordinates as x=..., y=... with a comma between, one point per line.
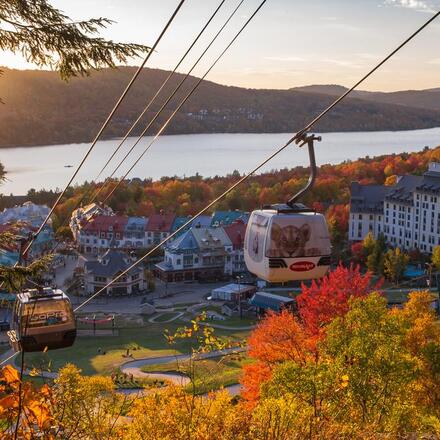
x=81, y=216
x=236, y=232
x=199, y=253
x=407, y=213
x=135, y=233
x=96, y=235
x=224, y=218
x=159, y=227
x=112, y=263
x=24, y=221
x=265, y=302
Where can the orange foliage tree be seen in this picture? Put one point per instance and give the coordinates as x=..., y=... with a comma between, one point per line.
x=285, y=337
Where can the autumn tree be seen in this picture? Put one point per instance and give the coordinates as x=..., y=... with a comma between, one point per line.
x=394, y=264
x=423, y=342
x=86, y=407
x=284, y=337
x=34, y=406
x=361, y=384
x=329, y=296
x=435, y=258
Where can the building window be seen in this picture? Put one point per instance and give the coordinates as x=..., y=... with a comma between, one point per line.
x=360, y=216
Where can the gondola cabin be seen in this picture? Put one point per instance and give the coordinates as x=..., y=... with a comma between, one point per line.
x=284, y=244
x=42, y=318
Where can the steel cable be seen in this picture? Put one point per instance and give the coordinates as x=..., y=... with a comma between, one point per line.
x=296, y=138
x=167, y=101
x=105, y=124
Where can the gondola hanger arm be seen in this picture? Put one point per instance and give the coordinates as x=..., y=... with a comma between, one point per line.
x=308, y=139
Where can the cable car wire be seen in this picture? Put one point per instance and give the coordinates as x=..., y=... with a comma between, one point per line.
x=184, y=100
x=98, y=190
x=295, y=138
x=9, y=358
x=171, y=74
x=167, y=101
x=105, y=124
x=181, y=228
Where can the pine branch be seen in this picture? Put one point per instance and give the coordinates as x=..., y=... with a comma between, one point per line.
x=47, y=37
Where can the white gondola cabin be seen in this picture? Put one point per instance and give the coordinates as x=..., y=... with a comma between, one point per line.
x=289, y=242
x=287, y=246
x=42, y=319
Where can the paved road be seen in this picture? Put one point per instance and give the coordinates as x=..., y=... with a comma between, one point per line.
x=134, y=367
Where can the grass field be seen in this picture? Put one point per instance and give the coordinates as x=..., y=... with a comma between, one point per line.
x=208, y=375
x=165, y=316
x=149, y=338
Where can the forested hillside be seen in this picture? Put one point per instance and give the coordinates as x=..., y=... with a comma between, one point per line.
x=41, y=109
x=427, y=99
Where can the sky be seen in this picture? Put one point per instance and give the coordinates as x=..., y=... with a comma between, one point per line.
x=290, y=43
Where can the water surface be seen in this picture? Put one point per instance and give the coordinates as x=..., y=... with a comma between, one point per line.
x=207, y=154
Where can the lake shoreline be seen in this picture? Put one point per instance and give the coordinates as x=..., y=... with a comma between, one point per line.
x=14, y=146
x=208, y=155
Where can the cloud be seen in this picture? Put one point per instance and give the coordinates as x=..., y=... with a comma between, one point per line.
x=286, y=59
x=417, y=5
x=342, y=63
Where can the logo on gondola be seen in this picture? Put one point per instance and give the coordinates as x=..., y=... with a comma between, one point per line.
x=302, y=266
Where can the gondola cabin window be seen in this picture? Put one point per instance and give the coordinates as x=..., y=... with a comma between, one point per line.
x=46, y=313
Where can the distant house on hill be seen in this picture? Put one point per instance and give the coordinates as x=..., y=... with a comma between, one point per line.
x=98, y=273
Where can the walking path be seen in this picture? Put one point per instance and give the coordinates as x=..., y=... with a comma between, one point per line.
x=134, y=367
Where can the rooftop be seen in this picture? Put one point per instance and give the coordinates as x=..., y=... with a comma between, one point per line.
x=160, y=222
x=223, y=218
x=105, y=222
x=367, y=198
x=236, y=232
x=110, y=264
x=211, y=238
x=270, y=301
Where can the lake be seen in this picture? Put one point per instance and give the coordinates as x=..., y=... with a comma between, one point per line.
x=208, y=154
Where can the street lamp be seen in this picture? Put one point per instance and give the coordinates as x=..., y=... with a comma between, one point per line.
x=239, y=295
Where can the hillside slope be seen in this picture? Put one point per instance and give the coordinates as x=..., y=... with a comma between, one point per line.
x=427, y=99
x=41, y=109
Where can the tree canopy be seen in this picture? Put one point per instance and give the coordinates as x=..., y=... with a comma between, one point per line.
x=48, y=38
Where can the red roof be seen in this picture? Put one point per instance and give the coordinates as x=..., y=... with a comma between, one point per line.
x=236, y=231
x=103, y=223
x=160, y=222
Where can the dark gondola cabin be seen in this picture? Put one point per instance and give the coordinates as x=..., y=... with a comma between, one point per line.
x=42, y=319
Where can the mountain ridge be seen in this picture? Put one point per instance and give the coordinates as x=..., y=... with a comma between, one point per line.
x=40, y=109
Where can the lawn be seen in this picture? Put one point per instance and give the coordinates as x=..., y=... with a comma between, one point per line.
x=209, y=374
x=146, y=341
x=166, y=316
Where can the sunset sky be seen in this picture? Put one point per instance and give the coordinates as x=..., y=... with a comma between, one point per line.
x=290, y=43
